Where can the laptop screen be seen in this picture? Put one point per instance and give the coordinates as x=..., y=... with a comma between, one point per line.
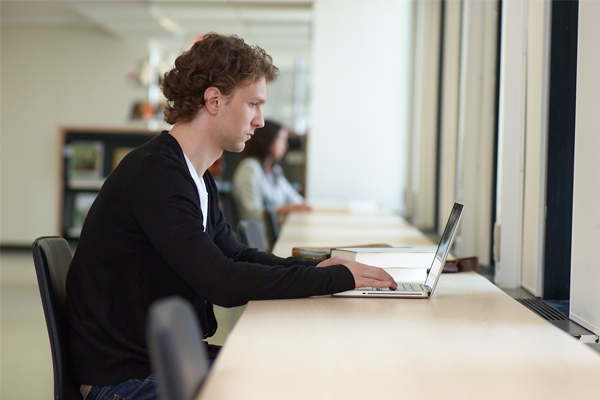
x=444, y=247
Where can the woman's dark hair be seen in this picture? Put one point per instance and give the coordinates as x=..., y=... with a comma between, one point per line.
x=260, y=145
x=225, y=62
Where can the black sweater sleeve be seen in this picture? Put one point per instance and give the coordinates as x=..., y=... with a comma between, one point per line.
x=143, y=240
x=164, y=202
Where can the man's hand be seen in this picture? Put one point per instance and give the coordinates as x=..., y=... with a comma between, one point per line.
x=369, y=276
x=364, y=275
x=334, y=261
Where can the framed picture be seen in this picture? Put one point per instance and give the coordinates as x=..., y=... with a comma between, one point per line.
x=119, y=154
x=86, y=159
x=81, y=206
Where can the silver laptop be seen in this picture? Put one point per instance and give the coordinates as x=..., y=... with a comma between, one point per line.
x=419, y=289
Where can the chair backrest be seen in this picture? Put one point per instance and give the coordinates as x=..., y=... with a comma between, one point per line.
x=272, y=225
x=252, y=233
x=230, y=209
x=177, y=353
x=52, y=258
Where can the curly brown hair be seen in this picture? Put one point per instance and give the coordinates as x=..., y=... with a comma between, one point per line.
x=225, y=62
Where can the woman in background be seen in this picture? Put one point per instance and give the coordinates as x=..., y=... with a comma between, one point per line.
x=258, y=180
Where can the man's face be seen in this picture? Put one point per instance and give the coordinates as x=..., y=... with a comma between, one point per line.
x=241, y=115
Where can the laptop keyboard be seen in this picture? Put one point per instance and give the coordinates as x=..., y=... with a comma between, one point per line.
x=404, y=287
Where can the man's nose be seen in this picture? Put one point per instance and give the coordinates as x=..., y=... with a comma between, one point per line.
x=258, y=120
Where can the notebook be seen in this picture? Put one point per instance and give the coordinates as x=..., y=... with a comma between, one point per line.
x=419, y=289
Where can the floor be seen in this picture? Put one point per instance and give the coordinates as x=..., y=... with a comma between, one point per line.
x=25, y=358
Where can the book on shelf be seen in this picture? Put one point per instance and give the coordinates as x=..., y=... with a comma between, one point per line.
x=119, y=154
x=81, y=206
x=85, y=159
x=85, y=183
x=403, y=263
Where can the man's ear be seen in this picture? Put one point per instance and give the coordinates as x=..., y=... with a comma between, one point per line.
x=213, y=100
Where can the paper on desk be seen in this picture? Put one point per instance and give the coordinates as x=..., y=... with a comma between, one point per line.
x=405, y=265
x=408, y=274
x=388, y=257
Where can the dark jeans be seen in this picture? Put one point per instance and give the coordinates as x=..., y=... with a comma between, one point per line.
x=138, y=389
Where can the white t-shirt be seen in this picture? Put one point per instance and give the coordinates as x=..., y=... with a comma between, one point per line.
x=201, y=190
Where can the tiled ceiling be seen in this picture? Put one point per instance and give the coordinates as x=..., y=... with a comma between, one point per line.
x=283, y=28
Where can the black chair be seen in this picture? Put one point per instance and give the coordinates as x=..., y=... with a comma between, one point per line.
x=230, y=209
x=177, y=353
x=52, y=258
x=252, y=233
x=272, y=225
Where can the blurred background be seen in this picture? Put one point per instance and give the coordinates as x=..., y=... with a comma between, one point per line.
x=72, y=67
x=407, y=105
x=80, y=87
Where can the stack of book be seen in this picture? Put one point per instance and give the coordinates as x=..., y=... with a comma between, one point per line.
x=402, y=263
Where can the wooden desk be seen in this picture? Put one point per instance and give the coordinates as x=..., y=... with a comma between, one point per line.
x=470, y=341
x=345, y=229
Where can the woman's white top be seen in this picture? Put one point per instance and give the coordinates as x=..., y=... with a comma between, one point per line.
x=252, y=188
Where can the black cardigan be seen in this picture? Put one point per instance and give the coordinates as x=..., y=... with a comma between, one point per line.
x=143, y=240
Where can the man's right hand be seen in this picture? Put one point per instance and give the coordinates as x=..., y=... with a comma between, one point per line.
x=369, y=276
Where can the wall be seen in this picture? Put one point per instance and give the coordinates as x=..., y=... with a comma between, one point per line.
x=360, y=84
x=52, y=78
x=466, y=121
x=585, y=274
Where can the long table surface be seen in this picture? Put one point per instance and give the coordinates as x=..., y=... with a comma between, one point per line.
x=470, y=340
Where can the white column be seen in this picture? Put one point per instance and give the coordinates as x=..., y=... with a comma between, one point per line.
x=536, y=144
x=360, y=85
x=476, y=125
x=585, y=274
x=511, y=143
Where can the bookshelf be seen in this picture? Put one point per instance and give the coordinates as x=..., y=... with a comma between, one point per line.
x=89, y=155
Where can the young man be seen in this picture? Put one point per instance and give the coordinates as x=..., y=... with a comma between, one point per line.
x=155, y=229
